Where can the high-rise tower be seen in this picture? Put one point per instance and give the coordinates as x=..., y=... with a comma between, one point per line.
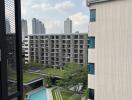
x=68, y=26
x=37, y=27
x=24, y=28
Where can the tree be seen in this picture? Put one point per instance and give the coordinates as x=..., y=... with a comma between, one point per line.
x=74, y=77
x=86, y=93
x=48, y=81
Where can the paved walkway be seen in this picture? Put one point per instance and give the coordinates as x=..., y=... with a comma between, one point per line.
x=49, y=94
x=58, y=94
x=83, y=98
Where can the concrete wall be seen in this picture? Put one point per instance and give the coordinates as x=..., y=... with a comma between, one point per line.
x=113, y=51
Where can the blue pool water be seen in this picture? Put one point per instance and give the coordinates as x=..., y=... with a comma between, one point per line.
x=39, y=95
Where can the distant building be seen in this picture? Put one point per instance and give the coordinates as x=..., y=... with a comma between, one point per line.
x=68, y=26
x=8, y=28
x=37, y=27
x=24, y=28
x=56, y=49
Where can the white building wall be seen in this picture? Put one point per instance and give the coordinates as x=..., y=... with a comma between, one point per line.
x=113, y=50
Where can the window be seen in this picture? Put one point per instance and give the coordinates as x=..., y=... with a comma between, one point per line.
x=81, y=41
x=81, y=36
x=57, y=37
x=91, y=42
x=31, y=37
x=26, y=36
x=92, y=15
x=42, y=37
x=26, y=44
x=91, y=68
x=91, y=94
x=69, y=37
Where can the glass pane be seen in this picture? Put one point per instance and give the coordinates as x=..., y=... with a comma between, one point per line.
x=11, y=48
x=92, y=15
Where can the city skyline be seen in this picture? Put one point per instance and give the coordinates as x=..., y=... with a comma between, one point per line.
x=53, y=14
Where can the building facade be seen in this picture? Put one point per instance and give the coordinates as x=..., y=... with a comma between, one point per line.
x=24, y=28
x=110, y=50
x=38, y=27
x=56, y=49
x=68, y=26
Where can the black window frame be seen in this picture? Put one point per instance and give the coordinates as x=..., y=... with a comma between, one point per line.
x=3, y=58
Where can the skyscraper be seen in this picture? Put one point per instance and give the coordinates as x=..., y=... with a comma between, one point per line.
x=8, y=30
x=24, y=28
x=68, y=26
x=37, y=27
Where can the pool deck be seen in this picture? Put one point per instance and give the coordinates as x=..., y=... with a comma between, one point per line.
x=49, y=93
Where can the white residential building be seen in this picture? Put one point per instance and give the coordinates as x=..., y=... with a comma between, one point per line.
x=56, y=49
x=110, y=50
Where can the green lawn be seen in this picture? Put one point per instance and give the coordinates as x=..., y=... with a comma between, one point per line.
x=27, y=77
x=53, y=72
x=66, y=94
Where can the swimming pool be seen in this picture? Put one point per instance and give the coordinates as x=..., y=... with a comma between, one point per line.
x=38, y=95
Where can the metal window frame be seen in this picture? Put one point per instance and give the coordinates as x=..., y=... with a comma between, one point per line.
x=3, y=69
x=3, y=52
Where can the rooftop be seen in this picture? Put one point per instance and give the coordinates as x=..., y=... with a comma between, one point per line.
x=89, y=2
x=85, y=33
x=27, y=77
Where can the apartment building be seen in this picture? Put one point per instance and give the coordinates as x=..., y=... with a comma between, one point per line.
x=56, y=49
x=110, y=50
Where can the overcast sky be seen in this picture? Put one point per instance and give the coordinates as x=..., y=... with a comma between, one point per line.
x=53, y=13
